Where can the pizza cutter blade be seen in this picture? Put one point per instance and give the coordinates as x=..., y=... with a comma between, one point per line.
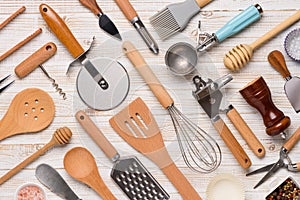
x=103, y=98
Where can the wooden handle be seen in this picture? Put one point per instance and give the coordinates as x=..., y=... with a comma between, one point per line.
x=292, y=140
x=60, y=29
x=99, y=186
x=233, y=145
x=298, y=166
x=90, y=127
x=180, y=182
x=245, y=131
x=276, y=30
x=26, y=162
x=36, y=59
x=145, y=71
x=277, y=61
x=14, y=15
x=92, y=5
x=202, y=3
x=20, y=44
x=127, y=9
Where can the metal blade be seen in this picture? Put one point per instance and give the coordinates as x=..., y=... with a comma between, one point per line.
x=273, y=169
x=54, y=182
x=292, y=91
x=108, y=26
x=263, y=169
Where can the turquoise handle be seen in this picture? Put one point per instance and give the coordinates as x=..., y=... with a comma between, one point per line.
x=239, y=22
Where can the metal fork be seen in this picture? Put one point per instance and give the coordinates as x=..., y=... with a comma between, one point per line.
x=7, y=85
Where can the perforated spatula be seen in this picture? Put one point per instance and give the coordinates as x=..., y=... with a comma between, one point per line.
x=137, y=126
x=31, y=110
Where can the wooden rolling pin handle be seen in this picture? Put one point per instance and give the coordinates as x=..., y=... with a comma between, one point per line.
x=180, y=182
x=245, y=131
x=276, y=59
x=14, y=15
x=60, y=29
x=90, y=127
x=233, y=145
x=292, y=140
x=145, y=71
x=92, y=5
x=202, y=3
x=26, y=162
x=127, y=9
x=35, y=59
x=276, y=30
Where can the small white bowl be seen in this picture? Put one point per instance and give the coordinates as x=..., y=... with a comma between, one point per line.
x=27, y=185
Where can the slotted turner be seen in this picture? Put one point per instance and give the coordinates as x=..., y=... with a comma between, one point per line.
x=126, y=172
x=31, y=110
x=137, y=126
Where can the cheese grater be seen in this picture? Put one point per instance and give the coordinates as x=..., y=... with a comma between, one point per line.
x=128, y=173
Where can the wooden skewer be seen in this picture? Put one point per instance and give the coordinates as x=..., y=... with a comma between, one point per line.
x=20, y=44
x=14, y=15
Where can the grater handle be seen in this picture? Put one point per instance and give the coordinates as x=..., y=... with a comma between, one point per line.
x=94, y=132
x=145, y=71
x=180, y=182
x=202, y=3
x=239, y=22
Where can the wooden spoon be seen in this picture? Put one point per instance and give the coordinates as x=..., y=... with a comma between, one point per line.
x=61, y=136
x=32, y=110
x=81, y=165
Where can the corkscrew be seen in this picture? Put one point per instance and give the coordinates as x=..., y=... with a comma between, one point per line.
x=35, y=60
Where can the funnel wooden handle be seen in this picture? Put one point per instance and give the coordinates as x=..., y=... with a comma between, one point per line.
x=276, y=59
x=233, y=145
x=245, y=131
x=36, y=59
x=90, y=127
x=180, y=182
x=127, y=9
x=292, y=140
x=92, y=5
x=26, y=162
x=145, y=71
x=60, y=29
x=202, y=3
x=276, y=30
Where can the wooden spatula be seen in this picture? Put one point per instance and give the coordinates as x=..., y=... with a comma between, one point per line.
x=31, y=110
x=137, y=126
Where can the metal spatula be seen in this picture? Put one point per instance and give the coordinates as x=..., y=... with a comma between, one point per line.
x=292, y=84
x=129, y=173
x=137, y=126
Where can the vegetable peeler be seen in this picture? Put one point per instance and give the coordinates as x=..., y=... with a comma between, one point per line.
x=209, y=96
x=235, y=25
x=283, y=155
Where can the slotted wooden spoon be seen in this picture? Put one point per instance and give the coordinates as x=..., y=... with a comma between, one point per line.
x=81, y=165
x=137, y=126
x=31, y=110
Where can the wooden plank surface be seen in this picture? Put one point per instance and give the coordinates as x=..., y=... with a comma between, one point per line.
x=84, y=25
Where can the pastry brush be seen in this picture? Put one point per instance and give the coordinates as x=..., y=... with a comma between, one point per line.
x=175, y=17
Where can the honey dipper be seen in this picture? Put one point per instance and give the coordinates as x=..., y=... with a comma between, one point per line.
x=236, y=58
x=60, y=137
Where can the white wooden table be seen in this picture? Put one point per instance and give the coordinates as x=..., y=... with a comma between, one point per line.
x=84, y=25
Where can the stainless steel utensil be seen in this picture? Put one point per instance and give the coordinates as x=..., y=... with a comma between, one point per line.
x=200, y=151
x=50, y=178
x=181, y=58
x=126, y=171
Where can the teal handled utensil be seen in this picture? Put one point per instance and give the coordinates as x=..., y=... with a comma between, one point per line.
x=234, y=26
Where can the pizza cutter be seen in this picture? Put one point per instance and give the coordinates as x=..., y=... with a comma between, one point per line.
x=102, y=83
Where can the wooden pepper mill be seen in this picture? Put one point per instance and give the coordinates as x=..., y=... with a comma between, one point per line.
x=258, y=95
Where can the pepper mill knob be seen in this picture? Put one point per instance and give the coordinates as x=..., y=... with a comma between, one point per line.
x=258, y=95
